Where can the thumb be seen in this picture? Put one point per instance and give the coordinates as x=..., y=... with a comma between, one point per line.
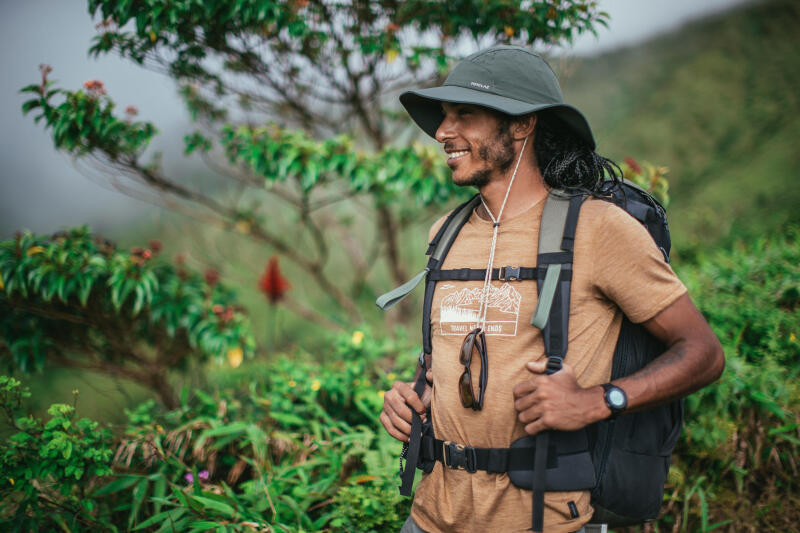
x=537, y=367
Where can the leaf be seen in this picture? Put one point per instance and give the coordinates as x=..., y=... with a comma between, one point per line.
x=121, y=483
x=210, y=503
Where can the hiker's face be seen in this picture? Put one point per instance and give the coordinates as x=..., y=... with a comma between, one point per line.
x=478, y=144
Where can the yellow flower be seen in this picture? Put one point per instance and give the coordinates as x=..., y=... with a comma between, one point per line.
x=243, y=226
x=235, y=356
x=391, y=376
x=792, y=336
x=381, y=393
x=292, y=383
x=11, y=480
x=75, y=392
x=34, y=250
x=391, y=55
x=159, y=428
x=509, y=31
x=315, y=385
x=358, y=336
x=153, y=36
x=2, y=287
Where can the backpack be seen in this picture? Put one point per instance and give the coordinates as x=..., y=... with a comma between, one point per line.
x=623, y=461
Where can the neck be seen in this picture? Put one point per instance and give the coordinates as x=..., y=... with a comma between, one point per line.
x=528, y=188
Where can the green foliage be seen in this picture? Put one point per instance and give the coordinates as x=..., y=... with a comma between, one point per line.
x=84, y=121
x=74, y=299
x=49, y=468
x=277, y=154
x=743, y=432
x=290, y=445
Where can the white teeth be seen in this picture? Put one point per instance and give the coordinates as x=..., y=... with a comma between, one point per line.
x=456, y=154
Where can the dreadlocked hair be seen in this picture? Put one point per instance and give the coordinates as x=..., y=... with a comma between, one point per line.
x=568, y=162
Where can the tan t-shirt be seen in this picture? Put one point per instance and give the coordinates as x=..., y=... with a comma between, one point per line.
x=616, y=266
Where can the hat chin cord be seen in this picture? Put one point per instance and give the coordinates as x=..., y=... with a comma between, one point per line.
x=487, y=280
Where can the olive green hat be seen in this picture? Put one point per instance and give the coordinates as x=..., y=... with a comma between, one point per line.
x=509, y=79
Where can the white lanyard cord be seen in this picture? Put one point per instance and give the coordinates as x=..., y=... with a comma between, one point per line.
x=487, y=280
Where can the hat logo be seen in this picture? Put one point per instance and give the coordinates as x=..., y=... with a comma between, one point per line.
x=481, y=85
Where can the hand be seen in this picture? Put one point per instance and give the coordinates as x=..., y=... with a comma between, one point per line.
x=397, y=404
x=556, y=401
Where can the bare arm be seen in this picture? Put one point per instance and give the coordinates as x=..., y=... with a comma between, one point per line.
x=692, y=360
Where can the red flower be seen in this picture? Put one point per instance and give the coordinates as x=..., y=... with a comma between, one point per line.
x=631, y=162
x=147, y=254
x=155, y=246
x=272, y=282
x=392, y=27
x=131, y=110
x=212, y=277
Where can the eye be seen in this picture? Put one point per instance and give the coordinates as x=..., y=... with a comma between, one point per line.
x=464, y=111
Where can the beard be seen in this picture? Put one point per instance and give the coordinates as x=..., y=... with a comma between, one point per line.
x=498, y=154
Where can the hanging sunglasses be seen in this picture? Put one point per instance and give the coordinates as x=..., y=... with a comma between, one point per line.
x=475, y=341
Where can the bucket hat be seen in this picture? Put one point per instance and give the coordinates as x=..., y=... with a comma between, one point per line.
x=510, y=79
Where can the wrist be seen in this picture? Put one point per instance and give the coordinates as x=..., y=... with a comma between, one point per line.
x=597, y=409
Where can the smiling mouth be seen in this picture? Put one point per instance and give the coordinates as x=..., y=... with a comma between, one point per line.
x=455, y=155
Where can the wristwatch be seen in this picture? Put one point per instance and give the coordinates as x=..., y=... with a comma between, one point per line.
x=616, y=399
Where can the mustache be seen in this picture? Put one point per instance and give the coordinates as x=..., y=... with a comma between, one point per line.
x=451, y=147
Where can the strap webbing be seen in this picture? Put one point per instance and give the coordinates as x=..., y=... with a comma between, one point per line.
x=394, y=296
x=415, y=440
x=542, y=313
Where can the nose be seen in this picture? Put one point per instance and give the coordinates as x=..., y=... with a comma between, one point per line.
x=445, y=129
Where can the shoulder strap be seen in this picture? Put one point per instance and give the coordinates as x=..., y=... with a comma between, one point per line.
x=437, y=250
x=440, y=246
x=554, y=263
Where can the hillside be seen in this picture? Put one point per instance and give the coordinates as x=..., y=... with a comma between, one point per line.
x=718, y=103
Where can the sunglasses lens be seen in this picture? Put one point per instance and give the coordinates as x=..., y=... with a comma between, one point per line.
x=465, y=389
x=467, y=348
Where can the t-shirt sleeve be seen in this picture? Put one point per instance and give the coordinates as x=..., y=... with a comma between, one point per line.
x=628, y=267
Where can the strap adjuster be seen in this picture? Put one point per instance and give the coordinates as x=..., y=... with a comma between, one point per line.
x=554, y=363
x=508, y=273
x=459, y=457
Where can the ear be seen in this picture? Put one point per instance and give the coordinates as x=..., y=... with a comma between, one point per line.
x=523, y=126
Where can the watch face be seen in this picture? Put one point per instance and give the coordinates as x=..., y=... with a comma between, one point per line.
x=616, y=398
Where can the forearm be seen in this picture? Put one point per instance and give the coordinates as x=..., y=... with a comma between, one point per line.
x=686, y=366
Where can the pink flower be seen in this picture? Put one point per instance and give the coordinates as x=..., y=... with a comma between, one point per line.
x=203, y=475
x=189, y=478
x=94, y=88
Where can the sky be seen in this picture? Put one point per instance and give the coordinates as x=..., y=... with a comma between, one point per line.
x=42, y=191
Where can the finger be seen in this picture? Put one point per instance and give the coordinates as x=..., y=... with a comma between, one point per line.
x=530, y=414
x=399, y=424
x=537, y=367
x=397, y=407
x=429, y=375
x=387, y=424
x=527, y=401
x=537, y=426
x=409, y=396
x=526, y=387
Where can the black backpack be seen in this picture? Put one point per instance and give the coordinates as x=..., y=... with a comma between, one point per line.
x=623, y=461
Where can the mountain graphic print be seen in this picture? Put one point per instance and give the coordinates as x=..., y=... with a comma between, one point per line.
x=459, y=310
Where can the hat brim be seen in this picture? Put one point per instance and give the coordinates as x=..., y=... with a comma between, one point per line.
x=424, y=107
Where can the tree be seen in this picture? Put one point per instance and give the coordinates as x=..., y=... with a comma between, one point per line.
x=294, y=97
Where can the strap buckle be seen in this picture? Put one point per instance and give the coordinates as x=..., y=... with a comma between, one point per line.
x=554, y=363
x=508, y=273
x=459, y=457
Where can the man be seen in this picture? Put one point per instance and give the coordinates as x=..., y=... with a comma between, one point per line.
x=505, y=130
